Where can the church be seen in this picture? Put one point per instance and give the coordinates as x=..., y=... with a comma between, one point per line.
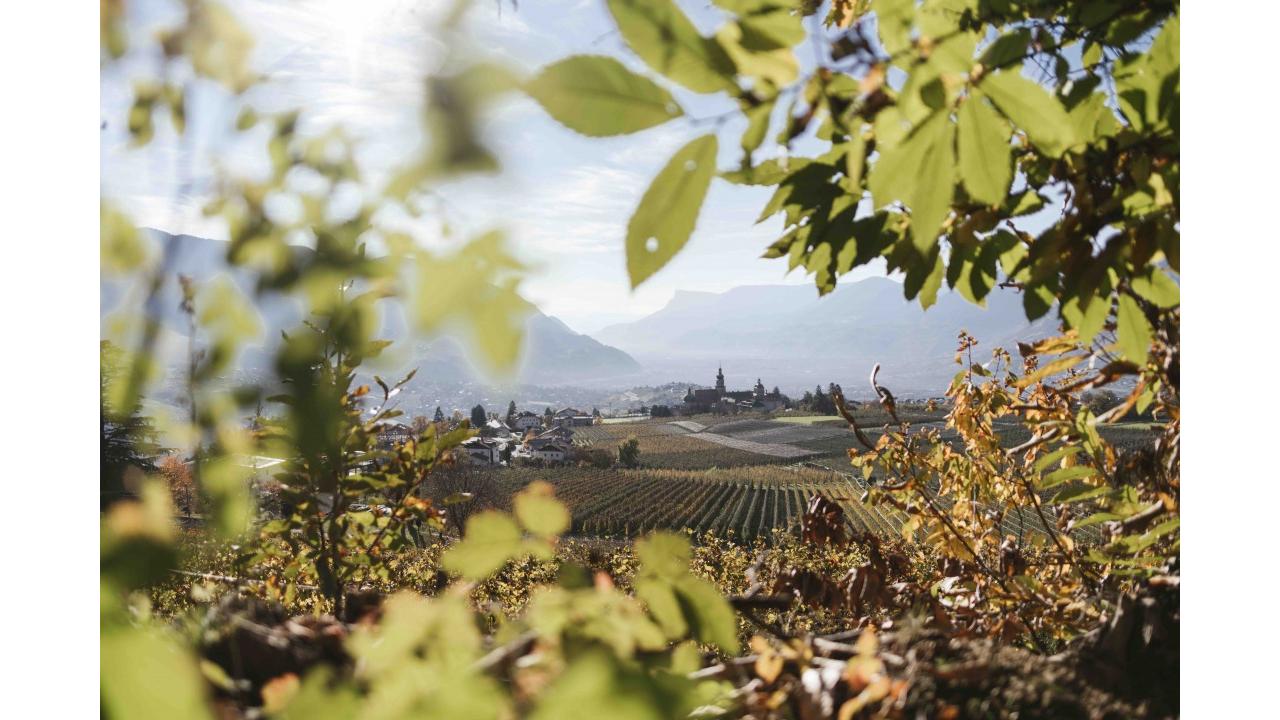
x=720, y=399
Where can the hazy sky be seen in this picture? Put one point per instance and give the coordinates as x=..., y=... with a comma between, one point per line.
x=563, y=199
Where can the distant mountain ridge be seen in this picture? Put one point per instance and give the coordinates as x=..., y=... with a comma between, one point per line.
x=789, y=336
x=553, y=353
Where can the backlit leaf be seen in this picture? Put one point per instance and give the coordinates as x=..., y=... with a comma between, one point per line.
x=492, y=538
x=1157, y=288
x=659, y=32
x=1032, y=109
x=986, y=162
x=539, y=512
x=919, y=171
x=1133, y=332
x=661, y=225
x=597, y=95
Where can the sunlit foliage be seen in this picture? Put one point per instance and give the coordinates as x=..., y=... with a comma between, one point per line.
x=939, y=147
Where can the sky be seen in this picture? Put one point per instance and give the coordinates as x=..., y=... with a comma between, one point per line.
x=563, y=199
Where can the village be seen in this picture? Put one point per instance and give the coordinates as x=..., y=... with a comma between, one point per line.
x=519, y=438
x=525, y=438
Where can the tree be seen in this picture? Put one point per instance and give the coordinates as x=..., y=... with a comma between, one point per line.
x=478, y=417
x=511, y=413
x=127, y=439
x=659, y=411
x=420, y=424
x=182, y=487
x=629, y=453
x=941, y=150
x=599, y=458
x=963, y=115
x=821, y=402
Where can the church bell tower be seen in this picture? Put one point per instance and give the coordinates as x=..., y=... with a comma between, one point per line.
x=720, y=390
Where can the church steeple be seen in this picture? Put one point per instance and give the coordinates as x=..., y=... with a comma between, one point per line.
x=720, y=381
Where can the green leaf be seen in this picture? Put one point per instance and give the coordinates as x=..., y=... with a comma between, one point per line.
x=932, y=282
x=893, y=20
x=598, y=96
x=123, y=248
x=1006, y=49
x=771, y=29
x=1037, y=299
x=711, y=618
x=769, y=172
x=540, y=513
x=1030, y=107
x=757, y=127
x=663, y=555
x=660, y=598
x=855, y=163
x=1078, y=494
x=491, y=540
x=1157, y=288
x=670, y=44
x=147, y=674
x=661, y=225
x=598, y=685
x=919, y=172
x=1087, y=322
x=478, y=287
x=986, y=160
x=1024, y=203
x=1133, y=333
x=777, y=67
x=1065, y=475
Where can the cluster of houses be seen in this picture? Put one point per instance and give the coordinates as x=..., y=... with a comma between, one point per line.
x=525, y=438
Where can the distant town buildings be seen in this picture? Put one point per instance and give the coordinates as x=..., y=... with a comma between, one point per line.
x=394, y=434
x=572, y=417
x=721, y=399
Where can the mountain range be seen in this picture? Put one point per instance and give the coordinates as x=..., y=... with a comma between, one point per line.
x=553, y=355
x=788, y=336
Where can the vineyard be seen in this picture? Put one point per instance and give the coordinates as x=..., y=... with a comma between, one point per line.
x=749, y=478
x=743, y=503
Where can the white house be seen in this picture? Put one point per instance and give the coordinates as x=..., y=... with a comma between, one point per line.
x=572, y=417
x=552, y=452
x=483, y=451
x=496, y=429
x=527, y=421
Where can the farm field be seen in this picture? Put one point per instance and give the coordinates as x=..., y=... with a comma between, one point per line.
x=746, y=503
x=748, y=476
